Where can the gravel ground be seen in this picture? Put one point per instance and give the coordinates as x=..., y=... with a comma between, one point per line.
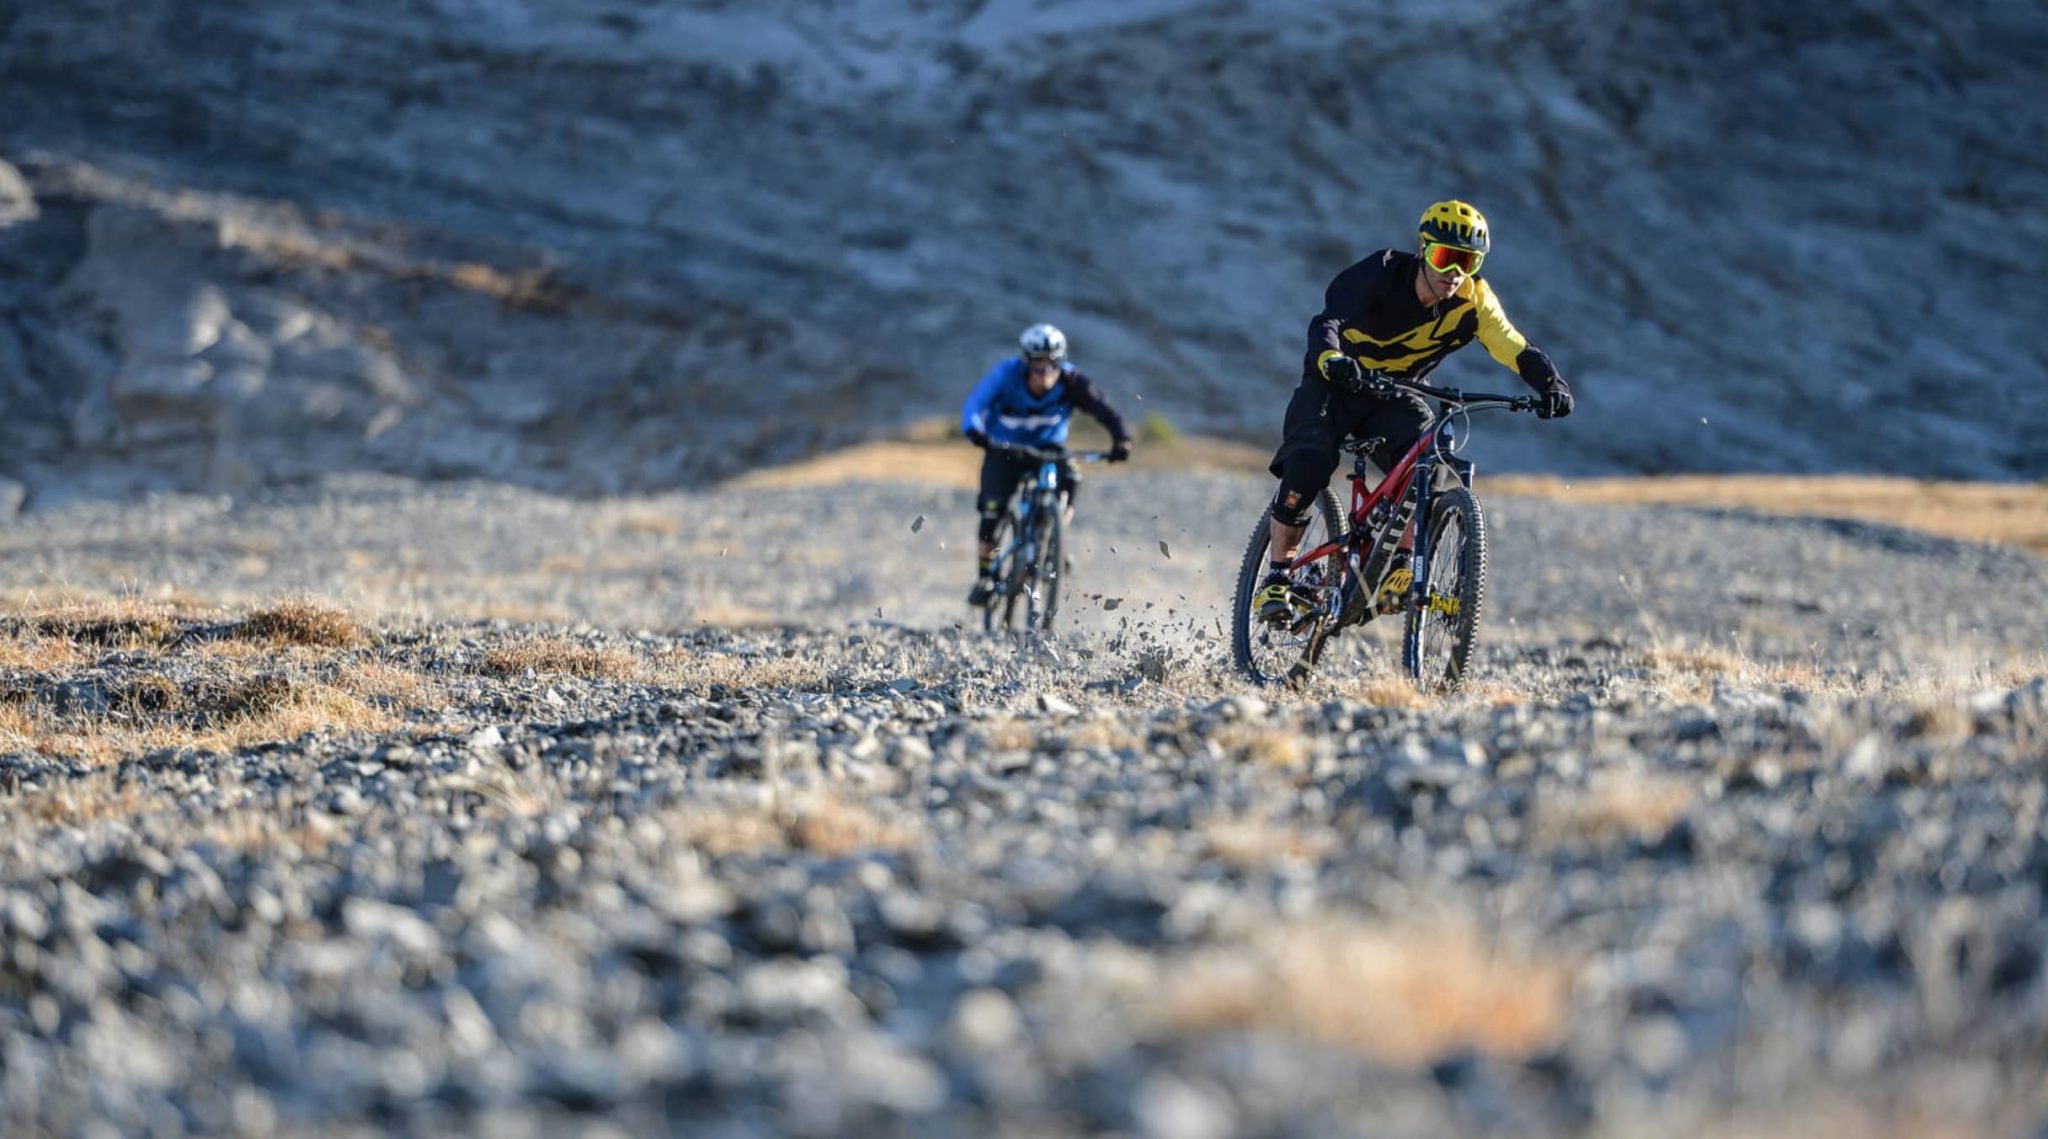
x=699, y=815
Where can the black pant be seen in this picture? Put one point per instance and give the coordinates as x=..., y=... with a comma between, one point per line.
x=1319, y=418
x=1001, y=471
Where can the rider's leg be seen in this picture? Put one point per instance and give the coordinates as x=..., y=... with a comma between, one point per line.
x=1399, y=420
x=1317, y=419
x=1316, y=422
x=999, y=475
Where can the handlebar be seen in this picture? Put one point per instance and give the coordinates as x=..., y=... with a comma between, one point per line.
x=1466, y=399
x=1049, y=454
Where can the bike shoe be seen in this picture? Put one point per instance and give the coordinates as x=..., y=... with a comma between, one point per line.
x=1395, y=590
x=984, y=589
x=1276, y=599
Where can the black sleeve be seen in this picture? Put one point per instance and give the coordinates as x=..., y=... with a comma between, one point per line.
x=1344, y=298
x=1086, y=396
x=1349, y=295
x=1536, y=369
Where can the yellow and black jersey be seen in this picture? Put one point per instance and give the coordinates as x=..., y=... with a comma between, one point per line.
x=1371, y=313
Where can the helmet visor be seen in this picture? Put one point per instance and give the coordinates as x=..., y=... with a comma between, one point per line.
x=1444, y=258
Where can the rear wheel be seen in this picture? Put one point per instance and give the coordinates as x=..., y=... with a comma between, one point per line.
x=1443, y=626
x=1270, y=654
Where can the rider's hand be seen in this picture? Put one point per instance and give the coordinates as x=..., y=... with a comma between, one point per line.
x=1344, y=372
x=1557, y=400
x=978, y=438
x=1120, y=450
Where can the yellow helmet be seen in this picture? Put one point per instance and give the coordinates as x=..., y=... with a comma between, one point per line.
x=1458, y=224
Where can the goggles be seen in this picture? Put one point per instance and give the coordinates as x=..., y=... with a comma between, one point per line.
x=1444, y=258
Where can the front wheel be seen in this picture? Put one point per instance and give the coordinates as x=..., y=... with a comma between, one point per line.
x=995, y=613
x=1273, y=654
x=1045, y=591
x=1018, y=573
x=1443, y=622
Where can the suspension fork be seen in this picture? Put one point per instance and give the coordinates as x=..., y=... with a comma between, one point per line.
x=1418, y=562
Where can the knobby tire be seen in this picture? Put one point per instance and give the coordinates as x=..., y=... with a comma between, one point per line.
x=1436, y=647
x=1248, y=634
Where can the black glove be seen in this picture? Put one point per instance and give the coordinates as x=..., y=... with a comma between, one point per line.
x=1557, y=400
x=978, y=438
x=1344, y=372
x=1120, y=451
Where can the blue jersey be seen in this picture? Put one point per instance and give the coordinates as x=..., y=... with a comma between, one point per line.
x=1003, y=408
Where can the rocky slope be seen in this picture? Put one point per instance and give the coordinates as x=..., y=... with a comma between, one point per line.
x=603, y=246
x=1716, y=845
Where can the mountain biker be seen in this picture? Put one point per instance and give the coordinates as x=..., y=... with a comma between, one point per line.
x=1026, y=401
x=1393, y=314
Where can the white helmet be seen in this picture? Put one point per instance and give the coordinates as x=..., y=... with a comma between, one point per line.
x=1043, y=342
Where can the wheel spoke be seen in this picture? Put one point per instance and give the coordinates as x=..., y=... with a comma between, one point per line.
x=1442, y=627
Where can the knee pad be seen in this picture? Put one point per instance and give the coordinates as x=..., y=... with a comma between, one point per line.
x=1292, y=507
x=991, y=511
x=1303, y=475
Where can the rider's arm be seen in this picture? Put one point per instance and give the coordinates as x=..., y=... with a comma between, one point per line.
x=1089, y=398
x=1506, y=344
x=974, y=413
x=1349, y=295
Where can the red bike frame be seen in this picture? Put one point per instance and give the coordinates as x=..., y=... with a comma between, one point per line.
x=1363, y=501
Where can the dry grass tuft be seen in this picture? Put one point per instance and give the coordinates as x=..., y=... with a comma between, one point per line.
x=273, y=712
x=1689, y=673
x=1934, y=684
x=22, y=647
x=647, y=520
x=79, y=802
x=1494, y=693
x=148, y=694
x=301, y=623
x=823, y=823
x=1246, y=843
x=932, y=454
x=514, y=792
x=1697, y=661
x=559, y=656
x=1841, y=1111
x=1402, y=995
x=1262, y=745
x=152, y=713
x=1005, y=734
x=732, y=615
x=1387, y=692
x=525, y=290
x=381, y=680
x=122, y=624
x=242, y=698
x=686, y=669
x=264, y=831
x=260, y=682
x=1617, y=804
x=2013, y=513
